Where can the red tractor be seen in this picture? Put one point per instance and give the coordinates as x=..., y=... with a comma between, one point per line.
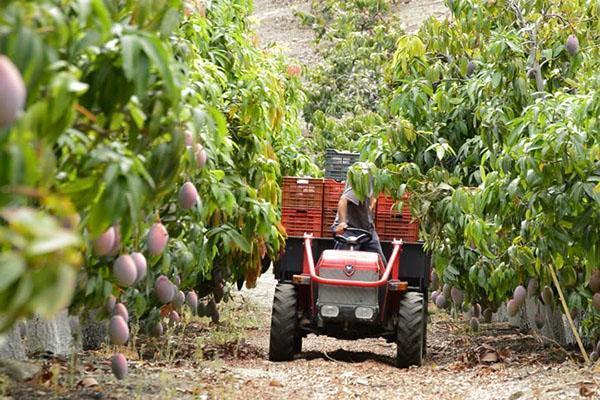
x=350, y=294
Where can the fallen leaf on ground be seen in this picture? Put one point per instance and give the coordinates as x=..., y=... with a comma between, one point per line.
x=275, y=383
x=588, y=389
x=87, y=382
x=489, y=357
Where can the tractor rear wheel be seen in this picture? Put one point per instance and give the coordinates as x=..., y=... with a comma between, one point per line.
x=425, y=320
x=284, y=324
x=297, y=344
x=410, y=332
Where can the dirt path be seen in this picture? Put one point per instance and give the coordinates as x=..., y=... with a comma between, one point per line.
x=412, y=13
x=277, y=24
x=229, y=361
x=334, y=369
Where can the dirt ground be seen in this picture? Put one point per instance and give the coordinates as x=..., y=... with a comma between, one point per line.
x=229, y=361
x=277, y=25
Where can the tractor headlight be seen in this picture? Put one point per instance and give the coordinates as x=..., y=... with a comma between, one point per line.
x=364, y=312
x=330, y=311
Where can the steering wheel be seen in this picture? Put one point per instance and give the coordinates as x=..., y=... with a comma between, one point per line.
x=363, y=237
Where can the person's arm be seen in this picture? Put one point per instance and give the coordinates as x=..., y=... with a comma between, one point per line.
x=343, y=214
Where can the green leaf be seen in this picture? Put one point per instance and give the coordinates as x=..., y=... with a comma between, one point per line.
x=59, y=241
x=496, y=79
x=482, y=279
x=137, y=114
x=140, y=305
x=547, y=54
x=79, y=185
x=451, y=269
x=11, y=268
x=135, y=64
x=53, y=289
x=440, y=152
x=154, y=49
x=170, y=21
x=239, y=240
x=218, y=174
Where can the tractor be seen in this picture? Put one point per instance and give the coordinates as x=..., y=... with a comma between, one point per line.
x=350, y=294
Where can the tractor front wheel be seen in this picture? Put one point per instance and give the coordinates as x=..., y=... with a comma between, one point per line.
x=284, y=341
x=410, y=332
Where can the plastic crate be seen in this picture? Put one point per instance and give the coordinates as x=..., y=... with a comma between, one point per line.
x=331, y=197
x=337, y=163
x=302, y=193
x=386, y=205
x=297, y=222
x=328, y=218
x=396, y=226
x=331, y=194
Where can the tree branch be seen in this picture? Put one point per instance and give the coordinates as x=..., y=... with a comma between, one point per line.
x=568, y=314
x=535, y=65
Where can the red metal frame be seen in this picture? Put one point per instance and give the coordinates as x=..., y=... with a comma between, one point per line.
x=392, y=268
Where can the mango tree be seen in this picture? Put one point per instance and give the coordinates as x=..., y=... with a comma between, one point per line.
x=151, y=143
x=494, y=131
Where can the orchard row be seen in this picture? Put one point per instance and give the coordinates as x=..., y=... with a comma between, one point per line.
x=141, y=149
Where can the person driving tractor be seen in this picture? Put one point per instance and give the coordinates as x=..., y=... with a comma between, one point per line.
x=353, y=213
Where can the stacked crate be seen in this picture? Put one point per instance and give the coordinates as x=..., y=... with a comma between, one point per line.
x=331, y=195
x=309, y=205
x=337, y=163
x=393, y=224
x=302, y=206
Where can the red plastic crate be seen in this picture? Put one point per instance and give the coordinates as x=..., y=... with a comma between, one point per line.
x=297, y=222
x=328, y=218
x=396, y=226
x=331, y=196
x=331, y=193
x=302, y=193
x=386, y=205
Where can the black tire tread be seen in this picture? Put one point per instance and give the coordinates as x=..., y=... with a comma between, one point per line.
x=410, y=337
x=297, y=343
x=425, y=322
x=283, y=323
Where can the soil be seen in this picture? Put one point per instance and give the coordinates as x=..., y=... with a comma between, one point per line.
x=413, y=13
x=277, y=26
x=202, y=360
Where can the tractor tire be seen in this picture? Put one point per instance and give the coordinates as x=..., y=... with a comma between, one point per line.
x=297, y=344
x=410, y=332
x=284, y=324
x=425, y=338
